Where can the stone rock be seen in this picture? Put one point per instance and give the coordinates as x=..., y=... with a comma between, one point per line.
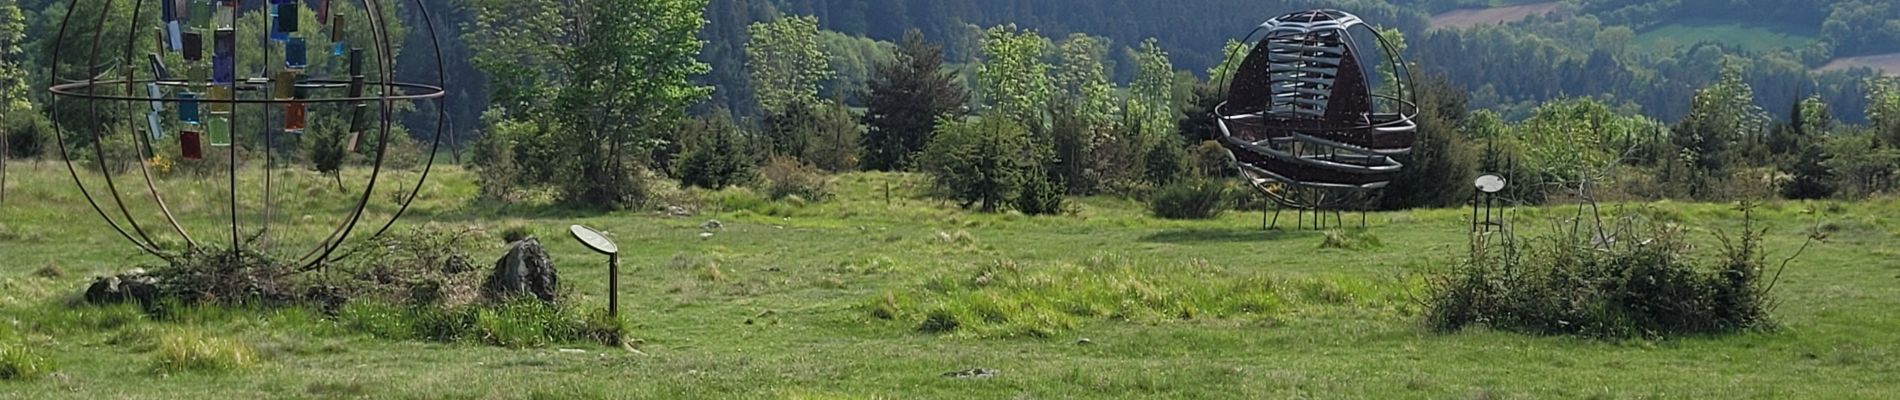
x=712, y=225
x=131, y=286
x=677, y=211
x=973, y=373
x=525, y=270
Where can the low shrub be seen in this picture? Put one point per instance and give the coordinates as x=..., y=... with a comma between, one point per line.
x=787, y=177
x=1640, y=283
x=426, y=266
x=1195, y=199
x=209, y=275
x=190, y=350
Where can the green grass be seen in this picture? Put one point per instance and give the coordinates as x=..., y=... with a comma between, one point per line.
x=1750, y=36
x=187, y=350
x=829, y=300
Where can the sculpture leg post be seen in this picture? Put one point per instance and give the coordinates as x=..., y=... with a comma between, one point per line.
x=613, y=286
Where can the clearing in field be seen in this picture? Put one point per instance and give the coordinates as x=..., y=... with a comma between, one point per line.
x=1467, y=18
x=1888, y=64
x=1748, y=36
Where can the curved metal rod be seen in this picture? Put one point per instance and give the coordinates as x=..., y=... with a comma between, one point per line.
x=59, y=136
x=232, y=148
x=441, y=120
x=145, y=171
x=428, y=92
x=385, y=67
x=270, y=135
x=98, y=146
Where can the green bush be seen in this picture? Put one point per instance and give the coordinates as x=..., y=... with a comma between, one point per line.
x=495, y=160
x=1166, y=162
x=1641, y=286
x=981, y=163
x=1195, y=199
x=716, y=155
x=1042, y=194
x=27, y=134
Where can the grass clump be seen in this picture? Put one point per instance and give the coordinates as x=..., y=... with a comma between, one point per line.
x=193, y=351
x=1355, y=239
x=1007, y=300
x=1197, y=199
x=517, y=323
x=17, y=361
x=1643, y=283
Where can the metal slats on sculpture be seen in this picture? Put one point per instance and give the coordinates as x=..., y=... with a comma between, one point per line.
x=209, y=96
x=1304, y=120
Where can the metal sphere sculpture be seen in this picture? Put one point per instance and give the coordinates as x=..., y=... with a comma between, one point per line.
x=1303, y=118
x=261, y=76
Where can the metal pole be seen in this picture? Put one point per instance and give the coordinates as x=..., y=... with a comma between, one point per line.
x=613, y=286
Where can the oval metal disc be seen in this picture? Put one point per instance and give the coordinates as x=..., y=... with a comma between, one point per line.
x=594, y=240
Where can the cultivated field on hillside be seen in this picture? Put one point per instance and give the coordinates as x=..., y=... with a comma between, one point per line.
x=1491, y=16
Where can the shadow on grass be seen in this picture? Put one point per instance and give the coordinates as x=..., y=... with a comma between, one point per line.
x=480, y=211
x=1225, y=236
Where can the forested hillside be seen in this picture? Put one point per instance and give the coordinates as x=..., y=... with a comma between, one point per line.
x=1588, y=51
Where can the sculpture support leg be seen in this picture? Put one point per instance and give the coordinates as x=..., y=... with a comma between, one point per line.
x=613, y=286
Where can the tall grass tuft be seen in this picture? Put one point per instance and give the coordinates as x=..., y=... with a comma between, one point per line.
x=1354, y=239
x=187, y=350
x=17, y=361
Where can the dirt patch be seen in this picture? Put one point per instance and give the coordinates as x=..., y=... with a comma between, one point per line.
x=1887, y=64
x=1466, y=18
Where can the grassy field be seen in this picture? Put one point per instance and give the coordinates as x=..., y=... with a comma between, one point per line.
x=1749, y=36
x=830, y=300
x=1886, y=64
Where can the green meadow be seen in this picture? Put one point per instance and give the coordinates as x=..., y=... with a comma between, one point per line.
x=881, y=290
x=1753, y=37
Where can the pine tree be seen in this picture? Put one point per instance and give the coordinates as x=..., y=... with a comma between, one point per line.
x=905, y=99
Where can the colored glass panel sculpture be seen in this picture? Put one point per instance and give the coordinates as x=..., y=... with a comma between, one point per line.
x=294, y=115
x=190, y=144
x=296, y=55
x=220, y=99
x=188, y=107
x=224, y=57
x=194, y=46
x=219, y=129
